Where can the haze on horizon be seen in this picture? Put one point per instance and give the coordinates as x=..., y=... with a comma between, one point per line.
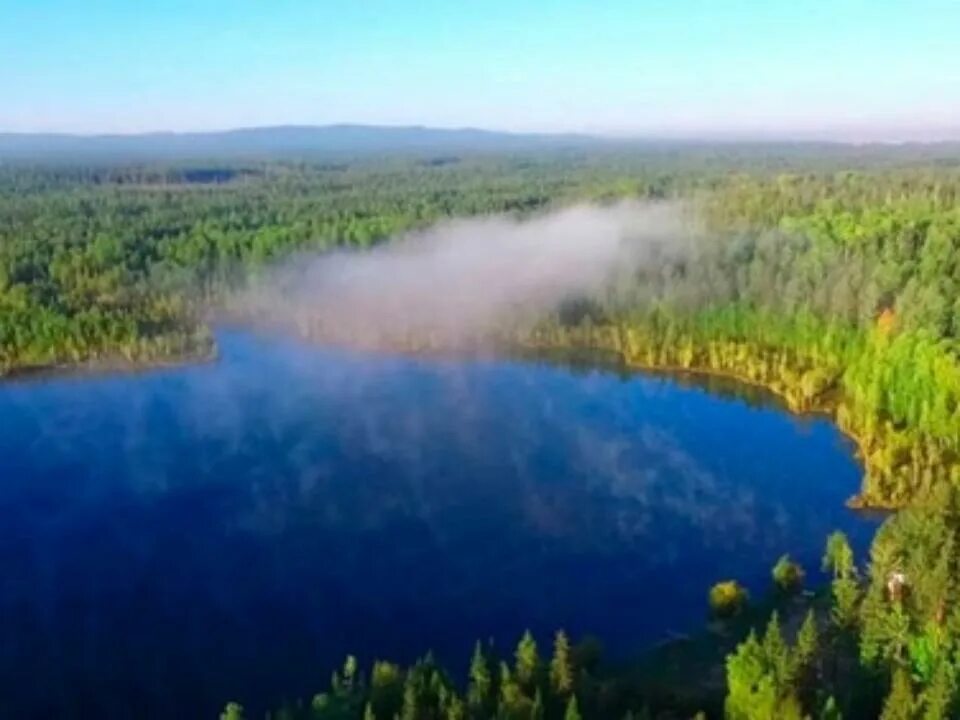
x=848, y=70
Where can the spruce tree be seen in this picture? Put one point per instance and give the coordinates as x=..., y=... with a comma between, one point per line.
x=561, y=665
x=481, y=683
x=838, y=557
x=900, y=703
x=511, y=696
x=776, y=653
x=454, y=709
x=528, y=660
x=939, y=697
x=573, y=710
x=751, y=691
x=805, y=661
x=410, y=710
x=846, y=594
x=807, y=641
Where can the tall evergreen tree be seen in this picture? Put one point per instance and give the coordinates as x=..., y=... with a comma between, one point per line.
x=561, y=665
x=900, y=703
x=572, y=711
x=527, y=660
x=479, y=690
x=807, y=641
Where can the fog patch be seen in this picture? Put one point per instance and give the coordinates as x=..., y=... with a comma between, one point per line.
x=460, y=282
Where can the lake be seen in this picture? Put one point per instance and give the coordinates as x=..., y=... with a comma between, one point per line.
x=178, y=538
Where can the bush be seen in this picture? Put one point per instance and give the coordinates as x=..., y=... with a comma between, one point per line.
x=787, y=575
x=727, y=598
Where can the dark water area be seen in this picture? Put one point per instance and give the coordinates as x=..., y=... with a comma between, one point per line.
x=175, y=539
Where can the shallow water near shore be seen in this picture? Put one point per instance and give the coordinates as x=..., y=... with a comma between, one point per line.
x=178, y=538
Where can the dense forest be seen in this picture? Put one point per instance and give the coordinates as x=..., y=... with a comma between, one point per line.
x=828, y=275
x=838, y=291
x=882, y=640
x=119, y=263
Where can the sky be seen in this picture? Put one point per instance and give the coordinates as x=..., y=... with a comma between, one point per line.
x=849, y=69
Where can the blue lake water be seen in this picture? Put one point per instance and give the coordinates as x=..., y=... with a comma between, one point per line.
x=174, y=539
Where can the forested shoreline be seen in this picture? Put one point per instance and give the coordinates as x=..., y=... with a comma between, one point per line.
x=122, y=263
x=831, y=277
x=836, y=294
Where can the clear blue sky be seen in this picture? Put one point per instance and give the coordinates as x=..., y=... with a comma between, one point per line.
x=701, y=67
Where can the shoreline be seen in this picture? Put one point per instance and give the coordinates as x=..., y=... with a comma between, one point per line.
x=856, y=502
x=106, y=366
x=94, y=368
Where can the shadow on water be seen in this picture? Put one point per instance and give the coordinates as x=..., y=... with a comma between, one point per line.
x=583, y=361
x=179, y=538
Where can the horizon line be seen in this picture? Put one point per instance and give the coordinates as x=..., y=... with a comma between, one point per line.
x=840, y=134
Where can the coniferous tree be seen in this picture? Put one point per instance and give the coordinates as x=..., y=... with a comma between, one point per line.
x=939, y=698
x=572, y=711
x=233, y=711
x=511, y=695
x=537, y=710
x=807, y=641
x=776, y=653
x=900, y=703
x=561, y=665
x=527, y=660
x=838, y=557
x=479, y=691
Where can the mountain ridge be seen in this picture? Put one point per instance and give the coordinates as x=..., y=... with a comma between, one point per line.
x=343, y=138
x=357, y=140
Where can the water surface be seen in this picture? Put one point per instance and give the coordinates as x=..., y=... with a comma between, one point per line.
x=178, y=538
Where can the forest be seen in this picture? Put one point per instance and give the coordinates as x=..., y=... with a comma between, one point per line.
x=880, y=643
x=881, y=640
x=830, y=276
x=838, y=292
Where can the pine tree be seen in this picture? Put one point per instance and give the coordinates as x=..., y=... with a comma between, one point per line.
x=776, y=653
x=751, y=693
x=838, y=556
x=573, y=710
x=349, y=677
x=386, y=689
x=846, y=594
x=805, y=651
x=454, y=709
x=510, y=694
x=410, y=708
x=938, y=698
x=527, y=659
x=900, y=702
x=481, y=684
x=561, y=665
x=807, y=641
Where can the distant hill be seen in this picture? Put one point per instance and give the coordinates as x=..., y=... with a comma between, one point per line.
x=276, y=141
x=352, y=141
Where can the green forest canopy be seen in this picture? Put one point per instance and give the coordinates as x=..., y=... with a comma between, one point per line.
x=830, y=275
